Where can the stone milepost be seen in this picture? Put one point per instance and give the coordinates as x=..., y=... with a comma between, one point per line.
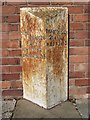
x=44, y=32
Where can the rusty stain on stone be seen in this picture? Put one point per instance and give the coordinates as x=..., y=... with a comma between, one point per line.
x=44, y=32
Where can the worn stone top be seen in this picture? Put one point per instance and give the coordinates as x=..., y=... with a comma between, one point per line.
x=50, y=20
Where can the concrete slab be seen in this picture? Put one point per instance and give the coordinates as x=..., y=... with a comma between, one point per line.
x=26, y=109
x=84, y=108
x=7, y=108
x=8, y=105
x=7, y=115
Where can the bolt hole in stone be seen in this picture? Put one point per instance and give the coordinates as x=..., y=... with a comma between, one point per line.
x=44, y=32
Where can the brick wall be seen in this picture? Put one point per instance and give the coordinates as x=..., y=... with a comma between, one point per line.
x=79, y=25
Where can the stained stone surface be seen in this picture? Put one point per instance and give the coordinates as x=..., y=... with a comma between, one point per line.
x=44, y=32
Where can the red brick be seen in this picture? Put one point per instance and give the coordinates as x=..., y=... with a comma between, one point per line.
x=0, y=53
x=81, y=35
x=1, y=3
x=21, y=2
x=0, y=27
x=71, y=18
x=39, y=3
x=71, y=67
x=7, y=10
x=79, y=51
x=18, y=7
x=75, y=9
x=0, y=61
x=13, y=19
x=0, y=10
x=10, y=61
x=2, y=19
x=8, y=27
x=82, y=82
x=0, y=71
x=12, y=93
x=0, y=43
x=71, y=35
x=4, y=53
x=13, y=27
x=86, y=26
x=4, y=36
x=88, y=73
x=81, y=67
x=79, y=59
x=14, y=52
x=14, y=35
x=15, y=76
x=80, y=3
x=4, y=27
x=5, y=69
x=88, y=90
x=11, y=69
x=0, y=38
x=86, y=9
x=77, y=42
x=78, y=91
x=80, y=18
x=76, y=26
x=77, y=74
x=15, y=69
x=1, y=84
x=72, y=82
x=10, y=44
x=88, y=65
x=87, y=42
x=16, y=84
x=62, y=3
x=6, y=84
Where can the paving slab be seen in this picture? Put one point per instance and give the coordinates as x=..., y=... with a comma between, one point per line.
x=7, y=108
x=8, y=105
x=7, y=115
x=27, y=109
x=84, y=108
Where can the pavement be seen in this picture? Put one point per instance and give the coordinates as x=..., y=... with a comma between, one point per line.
x=8, y=107
x=26, y=109
x=83, y=107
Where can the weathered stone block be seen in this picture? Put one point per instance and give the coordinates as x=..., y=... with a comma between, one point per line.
x=44, y=32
